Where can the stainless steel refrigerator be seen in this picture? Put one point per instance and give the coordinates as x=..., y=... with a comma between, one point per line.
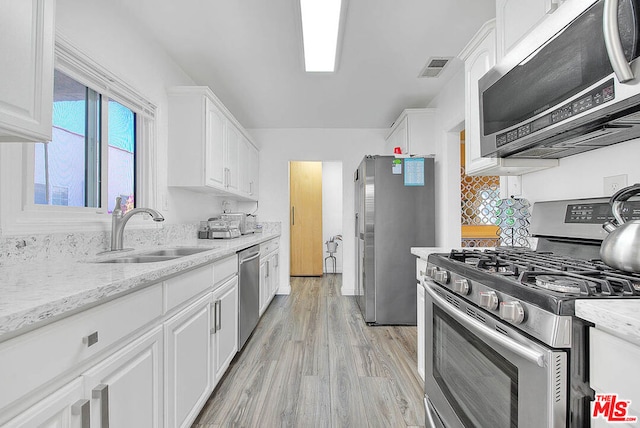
x=394, y=211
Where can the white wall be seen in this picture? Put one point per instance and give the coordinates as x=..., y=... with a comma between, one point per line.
x=278, y=147
x=332, y=209
x=449, y=105
x=581, y=176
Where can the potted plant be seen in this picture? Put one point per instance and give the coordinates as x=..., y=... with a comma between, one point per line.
x=332, y=243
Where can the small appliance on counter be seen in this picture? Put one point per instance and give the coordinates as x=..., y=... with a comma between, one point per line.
x=223, y=229
x=246, y=222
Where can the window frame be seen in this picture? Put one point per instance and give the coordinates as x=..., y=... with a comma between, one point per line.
x=20, y=214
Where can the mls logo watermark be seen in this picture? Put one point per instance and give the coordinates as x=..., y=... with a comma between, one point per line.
x=610, y=408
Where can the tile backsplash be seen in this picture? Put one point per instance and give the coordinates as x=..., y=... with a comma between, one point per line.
x=81, y=245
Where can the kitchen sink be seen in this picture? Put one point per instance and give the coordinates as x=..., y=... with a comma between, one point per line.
x=158, y=255
x=177, y=252
x=140, y=259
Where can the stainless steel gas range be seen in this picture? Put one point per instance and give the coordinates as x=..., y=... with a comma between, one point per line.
x=503, y=347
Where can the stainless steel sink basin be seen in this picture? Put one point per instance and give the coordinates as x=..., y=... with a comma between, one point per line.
x=140, y=259
x=177, y=251
x=158, y=255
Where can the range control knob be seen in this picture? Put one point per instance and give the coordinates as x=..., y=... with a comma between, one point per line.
x=431, y=272
x=461, y=286
x=489, y=300
x=442, y=276
x=512, y=312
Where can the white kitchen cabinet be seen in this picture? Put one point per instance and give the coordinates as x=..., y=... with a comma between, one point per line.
x=26, y=89
x=224, y=344
x=65, y=408
x=412, y=132
x=249, y=168
x=188, y=362
x=126, y=388
x=479, y=56
x=207, y=151
x=421, y=267
x=254, y=172
x=275, y=273
x=232, y=159
x=613, y=368
x=269, y=272
x=517, y=18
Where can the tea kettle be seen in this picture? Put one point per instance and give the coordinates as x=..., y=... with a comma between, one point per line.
x=621, y=248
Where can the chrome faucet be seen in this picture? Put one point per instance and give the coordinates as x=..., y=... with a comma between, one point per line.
x=119, y=220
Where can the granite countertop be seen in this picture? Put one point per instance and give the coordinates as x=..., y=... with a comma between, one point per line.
x=615, y=316
x=39, y=292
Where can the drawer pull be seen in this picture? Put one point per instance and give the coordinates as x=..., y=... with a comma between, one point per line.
x=90, y=340
x=82, y=408
x=102, y=392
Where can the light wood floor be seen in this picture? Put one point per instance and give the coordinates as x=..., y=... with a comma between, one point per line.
x=313, y=362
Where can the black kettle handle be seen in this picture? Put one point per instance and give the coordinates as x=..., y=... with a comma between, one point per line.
x=619, y=197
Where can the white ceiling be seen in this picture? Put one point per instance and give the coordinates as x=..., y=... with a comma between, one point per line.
x=250, y=53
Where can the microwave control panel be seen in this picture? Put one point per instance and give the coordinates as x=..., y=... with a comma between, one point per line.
x=598, y=213
x=600, y=95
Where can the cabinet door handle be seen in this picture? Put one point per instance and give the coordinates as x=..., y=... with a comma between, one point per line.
x=268, y=268
x=218, y=306
x=91, y=339
x=551, y=6
x=277, y=260
x=83, y=409
x=102, y=392
x=213, y=318
x=293, y=216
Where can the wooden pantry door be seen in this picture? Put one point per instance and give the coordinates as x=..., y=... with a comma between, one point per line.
x=305, y=218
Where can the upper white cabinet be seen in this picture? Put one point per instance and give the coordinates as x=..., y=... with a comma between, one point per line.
x=411, y=131
x=516, y=18
x=26, y=87
x=208, y=149
x=479, y=56
x=249, y=178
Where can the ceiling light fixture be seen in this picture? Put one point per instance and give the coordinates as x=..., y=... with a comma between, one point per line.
x=320, y=27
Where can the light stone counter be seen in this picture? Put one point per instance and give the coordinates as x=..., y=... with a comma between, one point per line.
x=618, y=317
x=423, y=252
x=34, y=293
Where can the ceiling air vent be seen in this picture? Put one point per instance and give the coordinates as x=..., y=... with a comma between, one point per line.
x=434, y=66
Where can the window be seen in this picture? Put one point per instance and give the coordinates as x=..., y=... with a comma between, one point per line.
x=93, y=148
x=104, y=145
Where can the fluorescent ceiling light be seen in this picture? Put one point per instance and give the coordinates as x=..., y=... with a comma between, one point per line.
x=320, y=25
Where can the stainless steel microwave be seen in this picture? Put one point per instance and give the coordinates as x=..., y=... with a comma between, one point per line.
x=578, y=90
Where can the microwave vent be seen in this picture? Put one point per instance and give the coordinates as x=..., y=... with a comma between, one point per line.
x=434, y=66
x=538, y=152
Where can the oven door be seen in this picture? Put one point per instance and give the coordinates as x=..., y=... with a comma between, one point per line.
x=480, y=372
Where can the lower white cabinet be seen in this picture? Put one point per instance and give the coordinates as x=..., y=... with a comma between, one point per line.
x=420, y=330
x=65, y=408
x=269, y=273
x=224, y=343
x=188, y=362
x=126, y=388
x=123, y=390
x=421, y=267
x=613, y=367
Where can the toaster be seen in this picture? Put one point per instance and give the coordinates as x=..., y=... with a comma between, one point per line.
x=247, y=222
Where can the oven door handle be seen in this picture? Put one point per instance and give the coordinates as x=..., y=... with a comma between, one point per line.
x=525, y=352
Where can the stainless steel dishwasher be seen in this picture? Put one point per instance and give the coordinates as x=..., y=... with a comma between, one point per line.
x=249, y=286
